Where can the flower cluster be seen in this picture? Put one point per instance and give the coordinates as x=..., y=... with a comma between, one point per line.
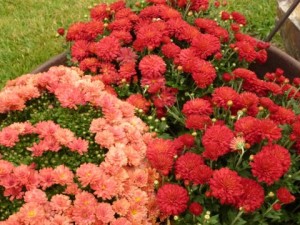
x=117, y=189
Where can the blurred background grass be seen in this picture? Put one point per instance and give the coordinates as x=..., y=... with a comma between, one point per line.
x=28, y=28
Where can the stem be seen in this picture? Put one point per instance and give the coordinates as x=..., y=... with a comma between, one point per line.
x=241, y=157
x=168, y=221
x=238, y=216
x=270, y=208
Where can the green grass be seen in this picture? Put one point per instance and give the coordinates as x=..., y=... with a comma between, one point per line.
x=28, y=29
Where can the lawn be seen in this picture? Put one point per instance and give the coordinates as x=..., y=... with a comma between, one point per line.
x=28, y=29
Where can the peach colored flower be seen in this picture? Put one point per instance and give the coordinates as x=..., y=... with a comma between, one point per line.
x=46, y=177
x=60, y=203
x=87, y=173
x=104, y=212
x=64, y=136
x=9, y=137
x=98, y=125
x=121, y=221
x=116, y=155
x=63, y=175
x=58, y=219
x=105, y=139
x=36, y=195
x=121, y=206
x=79, y=145
x=32, y=214
x=105, y=187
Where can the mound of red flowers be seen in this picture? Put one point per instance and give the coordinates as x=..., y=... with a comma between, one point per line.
x=228, y=142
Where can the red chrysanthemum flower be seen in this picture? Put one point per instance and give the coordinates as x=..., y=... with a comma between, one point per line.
x=84, y=31
x=198, y=122
x=269, y=130
x=150, y=35
x=123, y=24
x=225, y=15
x=126, y=55
x=90, y=64
x=199, y=5
x=118, y=5
x=80, y=49
x=244, y=74
x=109, y=74
x=182, y=142
x=268, y=104
x=160, y=153
x=203, y=73
x=170, y=50
x=186, y=59
x=124, y=37
x=216, y=141
x=205, y=45
x=239, y=18
x=247, y=127
x=152, y=66
x=139, y=102
x=261, y=56
x=153, y=85
x=127, y=71
x=172, y=199
x=190, y=167
x=195, y=208
x=99, y=12
x=166, y=98
x=226, y=185
x=197, y=106
x=274, y=88
x=246, y=51
x=107, y=49
x=250, y=102
x=270, y=170
x=222, y=96
x=253, y=196
x=283, y=115
x=284, y=195
x=205, y=24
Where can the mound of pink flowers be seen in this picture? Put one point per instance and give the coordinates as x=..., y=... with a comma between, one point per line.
x=118, y=189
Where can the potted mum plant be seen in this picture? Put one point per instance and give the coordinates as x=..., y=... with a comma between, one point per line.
x=162, y=123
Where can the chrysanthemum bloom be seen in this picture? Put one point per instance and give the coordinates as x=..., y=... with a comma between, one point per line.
x=63, y=175
x=60, y=203
x=216, y=141
x=9, y=137
x=139, y=102
x=195, y=208
x=182, y=142
x=197, y=106
x=283, y=115
x=36, y=195
x=284, y=195
x=226, y=185
x=107, y=49
x=87, y=173
x=46, y=177
x=170, y=50
x=126, y=55
x=160, y=153
x=222, y=95
x=198, y=122
x=205, y=45
x=120, y=24
x=246, y=51
x=79, y=145
x=239, y=18
x=269, y=130
x=104, y=212
x=166, y=97
x=80, y=49
x=152, y=66
x=270, y=170
x=172, y=199
x=85, y=31
x=99, y=12
x=121, y=221
x=250, y=102
x=190, y=167
x=32, y=213
x=253, y=196
x=90, y=64
x=237, y=143
x=203, y=73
